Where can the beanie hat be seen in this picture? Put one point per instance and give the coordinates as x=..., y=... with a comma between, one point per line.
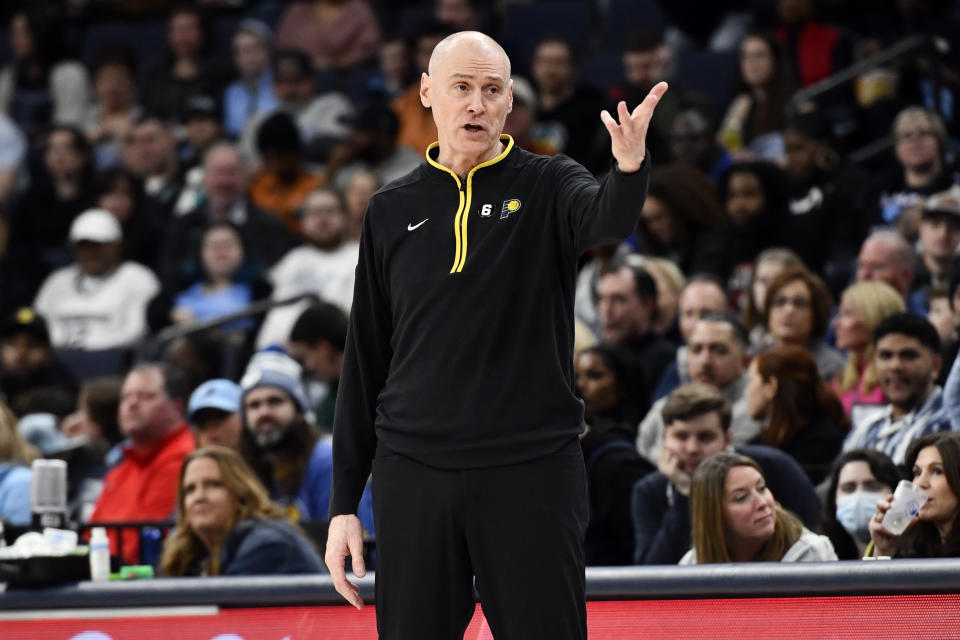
x=274, y=368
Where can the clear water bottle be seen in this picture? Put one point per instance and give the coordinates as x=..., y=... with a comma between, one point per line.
x=99, y=555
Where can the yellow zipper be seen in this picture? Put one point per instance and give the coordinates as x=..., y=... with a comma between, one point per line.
x=463, y=209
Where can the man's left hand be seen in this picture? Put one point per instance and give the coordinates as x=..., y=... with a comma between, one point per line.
x=628, y=140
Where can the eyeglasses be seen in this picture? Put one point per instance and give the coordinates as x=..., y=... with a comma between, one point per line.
x=798, y=303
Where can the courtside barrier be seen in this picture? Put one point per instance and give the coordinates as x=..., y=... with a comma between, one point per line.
x=868, y=599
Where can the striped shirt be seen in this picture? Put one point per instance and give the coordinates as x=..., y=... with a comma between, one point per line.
x=893, y=437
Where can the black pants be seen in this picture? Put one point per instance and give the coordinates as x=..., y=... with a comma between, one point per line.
x=518, y=529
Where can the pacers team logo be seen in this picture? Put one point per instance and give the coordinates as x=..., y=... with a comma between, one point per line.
x=509, y=206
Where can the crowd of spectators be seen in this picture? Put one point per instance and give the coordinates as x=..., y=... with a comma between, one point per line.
x=775, y=344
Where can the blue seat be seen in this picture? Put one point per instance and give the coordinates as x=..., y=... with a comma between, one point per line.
x=602, y=71
x=525, y=25
x=86, y=365
x=148, y=40
x=713, y=74
x=624, y=17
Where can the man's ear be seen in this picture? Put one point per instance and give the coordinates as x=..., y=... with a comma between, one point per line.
x=425, y=90
x=937, y=364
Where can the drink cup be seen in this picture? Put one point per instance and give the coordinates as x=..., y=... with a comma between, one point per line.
x=907, y=500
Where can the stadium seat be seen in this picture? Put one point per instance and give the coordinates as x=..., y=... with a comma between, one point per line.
x=524, y=25
x=146, y=39
x=602, y=71
x=86, y=365
x=710, y=73
x=625, y=17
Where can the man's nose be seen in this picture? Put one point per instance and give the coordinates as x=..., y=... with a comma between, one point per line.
x=476, y=102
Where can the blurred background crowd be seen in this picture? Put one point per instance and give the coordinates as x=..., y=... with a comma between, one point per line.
x=182, y=187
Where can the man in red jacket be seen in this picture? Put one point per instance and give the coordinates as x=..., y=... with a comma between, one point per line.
x=143, y=487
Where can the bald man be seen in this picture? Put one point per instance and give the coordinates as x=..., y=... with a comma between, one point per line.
x=885, y=256
x=457, y=383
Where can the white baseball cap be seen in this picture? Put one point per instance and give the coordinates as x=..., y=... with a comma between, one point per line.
x=96, y=225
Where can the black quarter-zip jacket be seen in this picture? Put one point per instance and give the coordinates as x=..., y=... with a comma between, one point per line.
x=459, y=348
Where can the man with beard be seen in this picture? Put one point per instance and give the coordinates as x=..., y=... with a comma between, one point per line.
x=696, y=421
x=276, y=413
x=372, y=144
x=324, y=265
x=716, y=356
x=907, y=358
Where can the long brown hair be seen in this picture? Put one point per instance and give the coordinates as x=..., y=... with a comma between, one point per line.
x=922, y=540
x=707, y=493
x=182, y=548
x=13, y=448
x=802, y=397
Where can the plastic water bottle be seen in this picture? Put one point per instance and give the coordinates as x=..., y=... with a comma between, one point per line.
x=99, y=555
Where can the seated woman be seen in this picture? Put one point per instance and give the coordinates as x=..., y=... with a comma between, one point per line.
x=934, y=464
x=767, y=266
x=802, y=415
x=736, y=519
x=859, y=478
x=15, y=476
x=226, y=524
x=608, y=381
x=797, y=311
x=225, y=283
x=862, y=306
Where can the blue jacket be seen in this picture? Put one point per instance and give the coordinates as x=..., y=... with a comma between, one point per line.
x=267, y=547
x=313, y=499
x=15, y=493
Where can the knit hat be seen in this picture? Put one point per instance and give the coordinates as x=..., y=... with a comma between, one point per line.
x=274, y=368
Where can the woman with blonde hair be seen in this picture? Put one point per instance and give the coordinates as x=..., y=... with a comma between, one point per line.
x=227, y=525
x=862, y=306
x=15, y=475
x=736, y=519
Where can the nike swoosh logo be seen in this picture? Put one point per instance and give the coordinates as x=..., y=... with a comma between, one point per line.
x=411, y=227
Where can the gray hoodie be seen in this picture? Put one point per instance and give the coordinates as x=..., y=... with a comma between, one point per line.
x=810, y=547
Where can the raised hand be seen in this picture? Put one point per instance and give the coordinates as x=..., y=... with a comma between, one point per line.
x=628, y=139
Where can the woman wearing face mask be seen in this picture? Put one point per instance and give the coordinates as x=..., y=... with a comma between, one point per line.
x=736, y=519
x=860, y=478
x=934, y=464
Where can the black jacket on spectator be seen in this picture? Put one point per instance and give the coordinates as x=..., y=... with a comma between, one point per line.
x=824, y=216
x=654, y=353
x=613, y=467
x=814, y=448
x=264, y=237
x=39, y=226
x=54, y=376
x=661, y=515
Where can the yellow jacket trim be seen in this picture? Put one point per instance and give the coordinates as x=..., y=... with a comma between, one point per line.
x=463, y=210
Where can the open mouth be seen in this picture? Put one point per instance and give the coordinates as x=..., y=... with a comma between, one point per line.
x=473, y=128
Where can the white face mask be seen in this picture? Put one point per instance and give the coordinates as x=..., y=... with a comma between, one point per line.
x=854, y=512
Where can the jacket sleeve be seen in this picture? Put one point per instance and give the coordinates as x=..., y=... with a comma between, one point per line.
x=951, y=395
x=662, y=531
x=604, y=213
x=366, y=361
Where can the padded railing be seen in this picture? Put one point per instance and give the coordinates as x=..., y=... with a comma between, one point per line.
x=879, y=577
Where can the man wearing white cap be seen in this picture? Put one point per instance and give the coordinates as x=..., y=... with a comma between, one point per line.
x=98, y=302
